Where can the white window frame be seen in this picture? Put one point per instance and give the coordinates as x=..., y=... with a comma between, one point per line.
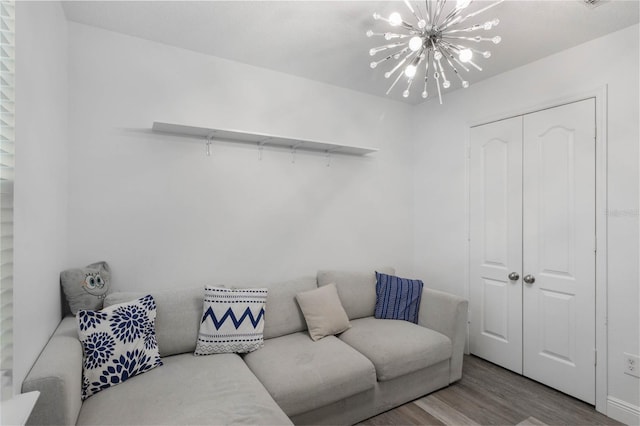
x=7, y=139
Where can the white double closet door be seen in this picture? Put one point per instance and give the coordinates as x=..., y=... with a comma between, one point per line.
x=532, y=246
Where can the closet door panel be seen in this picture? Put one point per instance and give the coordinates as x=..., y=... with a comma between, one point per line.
x=558, y=248
x=495, y=249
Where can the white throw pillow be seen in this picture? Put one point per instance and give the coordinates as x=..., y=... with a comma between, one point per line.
x=118, y=343
x=232, y=320
x=323, y=311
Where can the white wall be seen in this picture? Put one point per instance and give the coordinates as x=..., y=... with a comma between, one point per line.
x=164, y=215
x=40, y=224
x=440, y=228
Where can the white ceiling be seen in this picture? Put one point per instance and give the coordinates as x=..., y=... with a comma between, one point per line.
x=325, y=40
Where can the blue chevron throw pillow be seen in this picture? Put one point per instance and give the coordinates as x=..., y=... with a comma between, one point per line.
x=232, y=320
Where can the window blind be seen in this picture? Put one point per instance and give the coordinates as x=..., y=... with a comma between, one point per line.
x=7, y=139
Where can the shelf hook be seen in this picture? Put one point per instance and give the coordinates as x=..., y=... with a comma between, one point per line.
x=261, y=145
x=294, y=148
x=328, y=153
x=208, y=144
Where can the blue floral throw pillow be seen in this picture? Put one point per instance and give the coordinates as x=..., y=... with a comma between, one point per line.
x=118, y=343
x=397, y=298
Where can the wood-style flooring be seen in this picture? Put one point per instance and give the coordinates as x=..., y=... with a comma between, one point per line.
x=491, y=395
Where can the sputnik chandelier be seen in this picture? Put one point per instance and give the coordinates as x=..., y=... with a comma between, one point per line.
x=436, y=43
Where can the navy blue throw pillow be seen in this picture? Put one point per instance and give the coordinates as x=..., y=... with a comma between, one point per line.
x=397, y=298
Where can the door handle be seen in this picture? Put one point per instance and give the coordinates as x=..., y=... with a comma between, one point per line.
x=514, y=276
x=529, y=279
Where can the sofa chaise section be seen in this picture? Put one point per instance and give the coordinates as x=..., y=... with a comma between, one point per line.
x=186, y=390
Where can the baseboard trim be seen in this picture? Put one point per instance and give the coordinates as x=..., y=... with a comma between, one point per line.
x=622, y=411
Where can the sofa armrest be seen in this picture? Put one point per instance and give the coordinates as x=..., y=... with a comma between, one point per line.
x=57, y=374
x=446, y=314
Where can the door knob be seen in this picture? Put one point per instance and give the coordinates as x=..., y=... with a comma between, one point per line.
x=514, y=276
x=529, y=279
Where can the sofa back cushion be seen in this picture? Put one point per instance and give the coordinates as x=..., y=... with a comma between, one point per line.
x=357, y=290
x=180, y=312
x=282, y=313
x=178, y=317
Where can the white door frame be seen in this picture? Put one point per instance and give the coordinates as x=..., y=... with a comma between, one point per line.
x=601, y=99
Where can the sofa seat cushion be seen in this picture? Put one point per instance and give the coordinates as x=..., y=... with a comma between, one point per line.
x=216, y=389
x=397, y=347
x=302, y=375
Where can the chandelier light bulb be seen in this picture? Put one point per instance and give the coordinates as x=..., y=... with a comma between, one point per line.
x=424, y=95
x=395, y=19
x=369, y=33
x=496, y=39
x=486, y=54
x=410, y=71
x=422, y=24
x=372, y=52
x=387, y=74
x=373, y=65
x=405, y=94
x=415, y=43
x=376, y=16
x=437, y=56
x=446, y=84
x=465, y=84
x=490, y=24
x=465, y=55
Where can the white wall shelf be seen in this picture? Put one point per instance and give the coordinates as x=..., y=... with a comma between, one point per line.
x=260, y=140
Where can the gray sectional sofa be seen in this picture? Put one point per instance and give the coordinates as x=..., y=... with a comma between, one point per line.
x=372, y=367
